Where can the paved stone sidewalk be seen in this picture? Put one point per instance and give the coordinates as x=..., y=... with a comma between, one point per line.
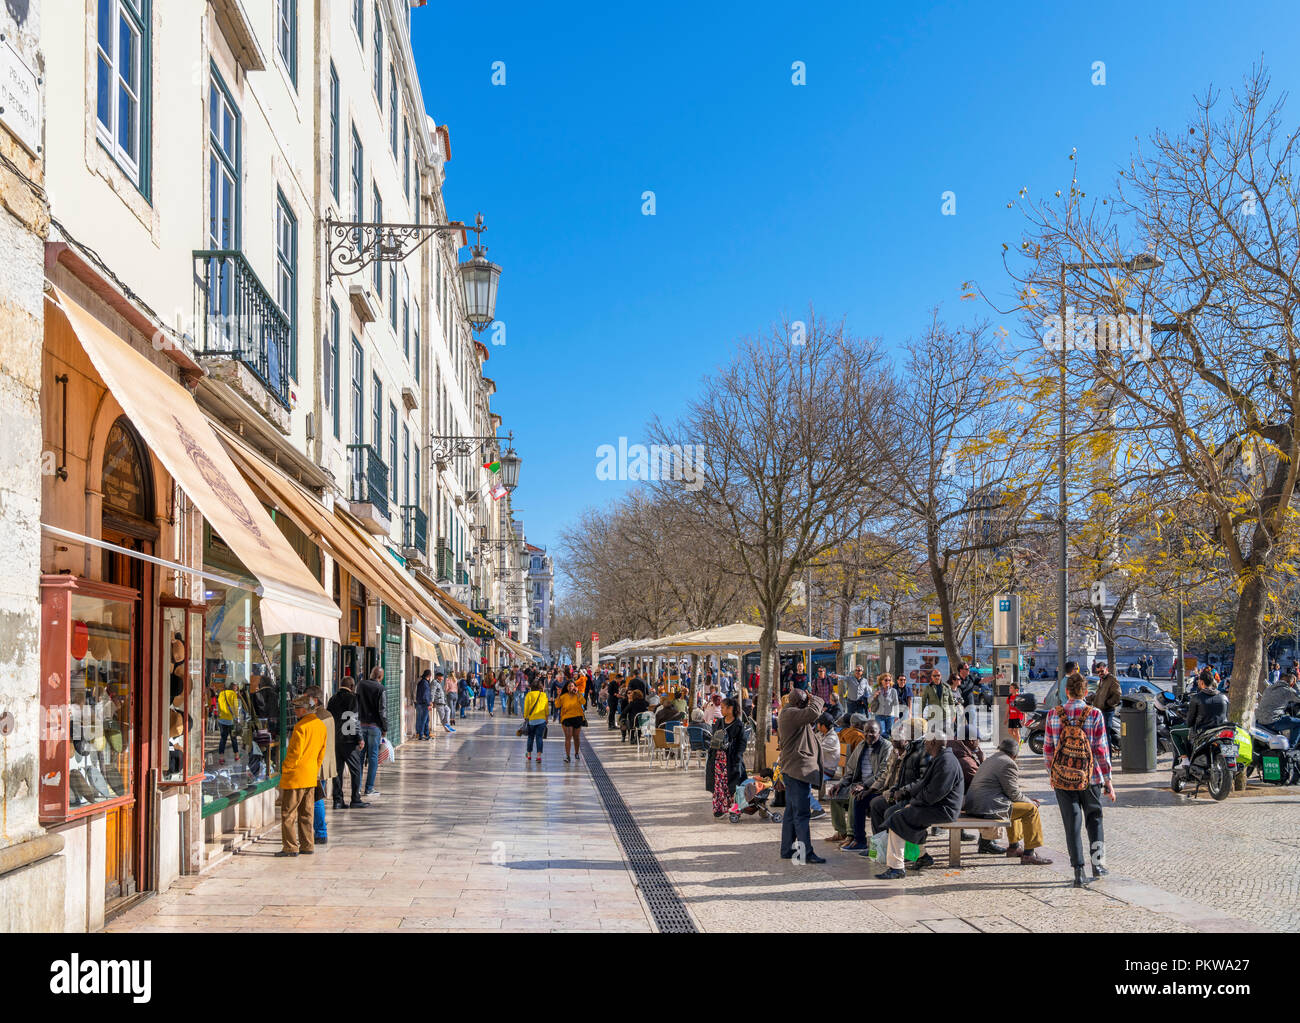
x=1177, y=865
x=464, y=836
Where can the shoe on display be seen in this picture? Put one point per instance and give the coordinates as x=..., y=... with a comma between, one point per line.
x=77, y=783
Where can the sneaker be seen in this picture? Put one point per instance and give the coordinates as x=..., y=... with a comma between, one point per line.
x=566, y=760
x=852, y=846
x=734, y=818
x=892, y=874
x=817, y=813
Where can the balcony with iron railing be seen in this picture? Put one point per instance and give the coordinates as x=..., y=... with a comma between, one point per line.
x=415, y=529
x=443, y=563
x=368, y=487
x=240, y=320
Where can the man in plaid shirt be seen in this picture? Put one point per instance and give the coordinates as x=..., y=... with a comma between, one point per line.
x=1084, y=805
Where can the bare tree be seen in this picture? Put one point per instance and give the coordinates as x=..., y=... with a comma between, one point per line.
x=957, y=463
x=1210, y=373
x=787, y=453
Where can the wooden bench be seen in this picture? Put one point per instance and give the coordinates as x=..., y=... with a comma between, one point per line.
x=955, y=828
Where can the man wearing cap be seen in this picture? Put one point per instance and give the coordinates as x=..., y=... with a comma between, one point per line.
x=298, y=776
x=856, y=691
x=995, y=792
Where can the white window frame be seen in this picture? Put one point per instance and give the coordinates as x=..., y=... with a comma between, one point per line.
x=134, y=14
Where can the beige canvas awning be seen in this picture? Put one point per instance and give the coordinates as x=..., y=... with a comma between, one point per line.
x=176, y=431
x=316, y=521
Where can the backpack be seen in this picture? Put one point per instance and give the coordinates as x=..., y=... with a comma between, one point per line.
x=1072, y=764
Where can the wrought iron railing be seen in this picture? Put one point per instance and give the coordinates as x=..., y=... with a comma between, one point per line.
x=462, y=577
x=241, y=320
x=368, y=477
x=415, y=528
x=444, y=565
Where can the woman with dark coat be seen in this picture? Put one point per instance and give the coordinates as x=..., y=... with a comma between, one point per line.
x=635, y=705
x=725, y=769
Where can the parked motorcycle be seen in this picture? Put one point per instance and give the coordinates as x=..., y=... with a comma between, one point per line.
x=1274, y=762
x=1218, y=755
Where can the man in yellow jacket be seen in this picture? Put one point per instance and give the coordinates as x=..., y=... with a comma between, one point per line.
x=298, y=775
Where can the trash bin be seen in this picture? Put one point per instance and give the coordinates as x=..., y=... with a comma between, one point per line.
x=1137, y=734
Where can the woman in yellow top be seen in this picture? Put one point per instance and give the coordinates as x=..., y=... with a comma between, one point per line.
x=298, y=775
x=536, y=709
x=569, y=704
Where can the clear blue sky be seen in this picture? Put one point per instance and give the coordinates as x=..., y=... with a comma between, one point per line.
x=772, y=196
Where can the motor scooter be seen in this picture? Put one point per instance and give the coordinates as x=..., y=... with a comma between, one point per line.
x=1218, y=754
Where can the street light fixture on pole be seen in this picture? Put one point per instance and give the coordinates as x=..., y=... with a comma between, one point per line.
x=1142, y=261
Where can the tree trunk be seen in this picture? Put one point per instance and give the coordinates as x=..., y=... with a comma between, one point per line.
x=766, y=683
x=1248, y=660
x=945, y=613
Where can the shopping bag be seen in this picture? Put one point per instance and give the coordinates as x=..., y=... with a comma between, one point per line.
x=878, y=842
x=386, y=752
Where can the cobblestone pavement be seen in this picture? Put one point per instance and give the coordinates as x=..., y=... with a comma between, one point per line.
x=467, y=836
x=464, y=836
x=1176, y=865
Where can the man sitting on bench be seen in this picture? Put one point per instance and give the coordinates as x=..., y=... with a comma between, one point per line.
x=995, y=792
x=935, y=798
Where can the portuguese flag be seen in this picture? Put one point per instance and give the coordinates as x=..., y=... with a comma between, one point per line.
x=492, y=466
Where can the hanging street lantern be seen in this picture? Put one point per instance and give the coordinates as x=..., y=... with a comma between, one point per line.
x=479, y=277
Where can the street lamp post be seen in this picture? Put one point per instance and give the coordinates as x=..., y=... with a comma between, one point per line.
x=1142, y=261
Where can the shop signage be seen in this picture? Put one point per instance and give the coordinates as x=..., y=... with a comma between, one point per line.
x=20, y=98
x=474, y=629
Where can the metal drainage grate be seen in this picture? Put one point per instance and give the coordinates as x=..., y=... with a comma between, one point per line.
x=666, y=906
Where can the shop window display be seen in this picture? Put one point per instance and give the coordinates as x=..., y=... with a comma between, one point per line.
x=86, y=698
x=241, y=735
x=182, y=645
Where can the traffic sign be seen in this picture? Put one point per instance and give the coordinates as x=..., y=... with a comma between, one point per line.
x=936, y=620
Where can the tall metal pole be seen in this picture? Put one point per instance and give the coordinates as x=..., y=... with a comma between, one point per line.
x=1062, y=608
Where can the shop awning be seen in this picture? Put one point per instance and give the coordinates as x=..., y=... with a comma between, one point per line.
x=315, y=520
x=424, y=643
x=178, y=434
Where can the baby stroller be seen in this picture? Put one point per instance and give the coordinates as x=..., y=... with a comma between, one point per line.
x=751, y=799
